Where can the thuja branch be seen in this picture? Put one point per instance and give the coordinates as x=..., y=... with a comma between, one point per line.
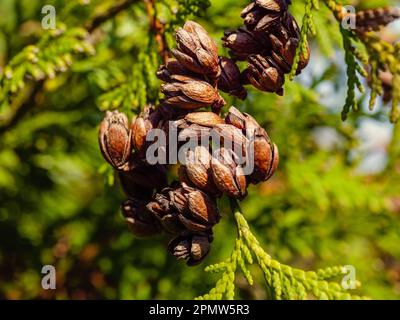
x=157, y=29
x=98, y=20
x=53, y=53
x=283, y=282
x=307, y=26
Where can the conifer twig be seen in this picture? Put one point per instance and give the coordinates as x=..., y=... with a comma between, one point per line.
x=283, y=282
x=98, y=20
x=24, y=102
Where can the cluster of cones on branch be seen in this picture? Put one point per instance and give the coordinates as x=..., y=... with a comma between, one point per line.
x=187, y=209
x=268, y=42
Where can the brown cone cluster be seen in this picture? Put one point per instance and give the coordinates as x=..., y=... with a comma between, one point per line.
x=187, y=209
x=222, y=170
x=268, y=42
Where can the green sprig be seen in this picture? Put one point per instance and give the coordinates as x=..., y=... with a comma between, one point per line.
x=353, y=68
x=307, y=26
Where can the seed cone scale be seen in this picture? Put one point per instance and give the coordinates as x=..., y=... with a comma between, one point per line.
x=148, y=120
x=184, y=208
x=190, y=93
x=190, y=247
x=243, y=43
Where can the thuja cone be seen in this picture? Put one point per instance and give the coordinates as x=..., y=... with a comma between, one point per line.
x=191, y=78
x=196, y=51
x=265, y=152
x=268, y=42
x=261, y=15
x=386, y=78
x=230, y=80
x=115, y=139
x=374, y=19
x=192, y=247
x=188, y=209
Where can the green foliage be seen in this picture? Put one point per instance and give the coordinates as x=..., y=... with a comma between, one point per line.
x=54, y=53
x=140, y=88
x=376, y=55
x=383, y=53
x=284, y=282
x=379, y=53
x=353, y=69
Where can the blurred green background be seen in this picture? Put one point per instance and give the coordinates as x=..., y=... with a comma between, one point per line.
x=335, y=199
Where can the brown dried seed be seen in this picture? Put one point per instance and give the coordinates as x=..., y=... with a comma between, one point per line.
x=236, y=118
x=244, y=122
x=268, y=21
x=186, y=42
x=200, y=247
x=187, y=61
x=172, y=67
x=149, y=119
x=205, y=40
